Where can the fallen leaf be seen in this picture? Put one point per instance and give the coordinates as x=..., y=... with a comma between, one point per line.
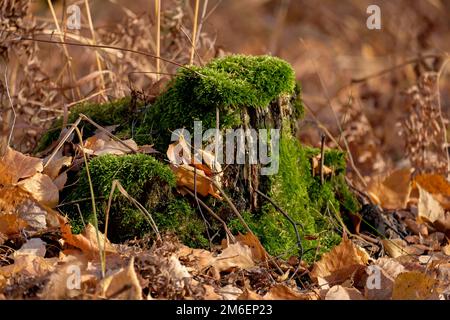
x=342, y=293
x=428, y=208
x=413, y=286
x=392, y=267
x=15, y=166
x=341, y=262
x=53, y=168
x=192, y=175
x=431, y=211
x=187, y=177
x=395, y=247
x=122, y=285
x=446, y=249
x=65, y=273
x=11, y=224
x=211, y=294
x=259, y=254
x=42, y=188
x=60, y=181
x=379, y=284
x=33, y=246
x=316, y=167
x=437, y=185
x=200, y=259
x=230, y=292
x=87, y=240
x=249, y=295
x=234, y=256
x=283, y=292
x=393, y=192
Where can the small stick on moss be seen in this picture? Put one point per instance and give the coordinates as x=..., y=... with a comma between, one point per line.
x=231, y=204
x=322, y=156
x=294, y=224
x=212, y=213
x=109, y=134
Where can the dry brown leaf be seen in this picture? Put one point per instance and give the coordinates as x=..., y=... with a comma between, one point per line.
x=283, y=292
x=122, y=285
x=395, y=247
x=99, y=146
x=60, y=181
x=57, y=288
x=392, y=267
x=429, y=209
x=86, y=241
x=15, y=166
x=179, y=152
x=28, y=265
x=249, y=295
x=186, y=177
x=42, y=188
x=20, y=210
x=446, y=249
x=230, y=292
x=380, y=286
x=343, y=293
x=53, y=168
x=182, y=164
x=393, y=192
x=413, y=286
x=200, y=259
x=234, y=256
x=35, y=247
x=437, y=185
x=259, y=254
x=341, y=262
x=316, y=167
x=210, y=293
x=11, y=224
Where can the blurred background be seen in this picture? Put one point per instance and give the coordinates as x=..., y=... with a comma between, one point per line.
x=382, y=95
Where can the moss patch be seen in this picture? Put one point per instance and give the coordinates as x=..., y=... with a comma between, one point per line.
x=313, y=205
x=229, y=84
x=148, y=181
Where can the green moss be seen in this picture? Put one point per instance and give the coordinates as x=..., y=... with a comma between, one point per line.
x=228, y=83
x=149, y=182
x=313, y=205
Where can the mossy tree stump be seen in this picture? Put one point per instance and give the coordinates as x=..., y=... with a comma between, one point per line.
x=249, y=93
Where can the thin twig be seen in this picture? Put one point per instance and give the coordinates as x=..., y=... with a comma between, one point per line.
x=109, y=134
x=20, y=38
x=213, y=214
